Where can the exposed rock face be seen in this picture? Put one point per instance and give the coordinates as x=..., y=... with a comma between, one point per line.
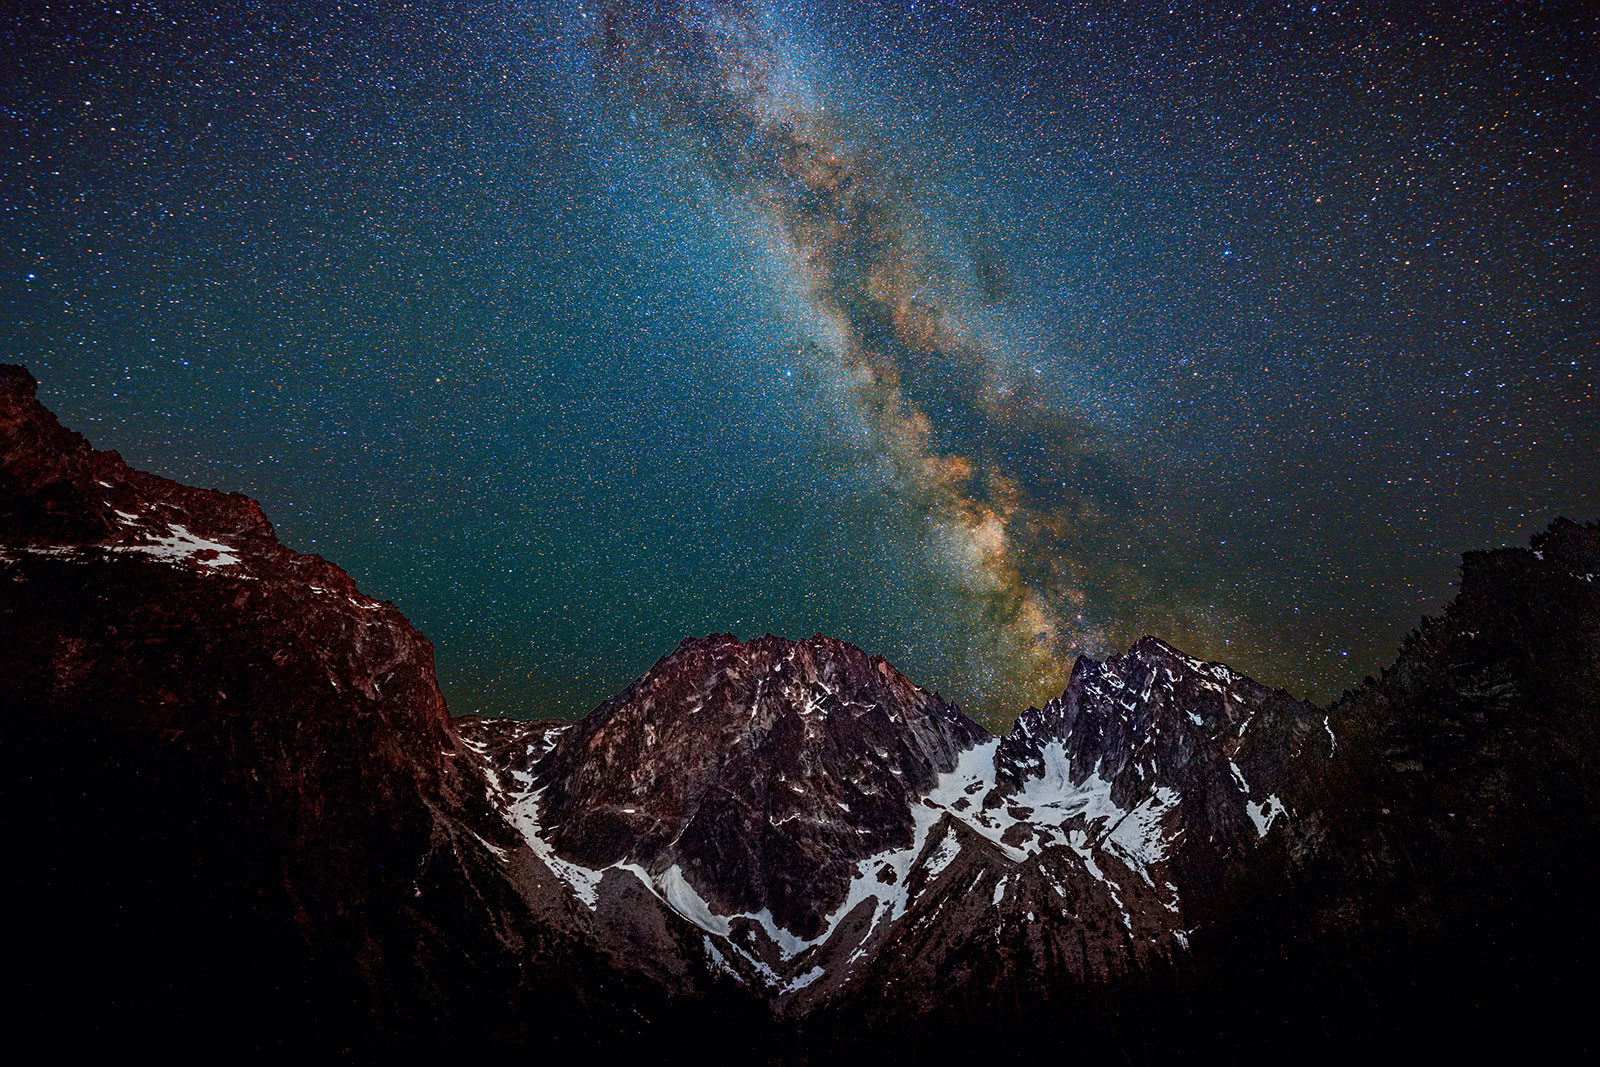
x=1087, y=827
x=1142, y=719
x=764, y=771
x=1164, y=730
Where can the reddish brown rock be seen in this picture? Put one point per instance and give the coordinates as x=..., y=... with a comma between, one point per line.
x=764, y=770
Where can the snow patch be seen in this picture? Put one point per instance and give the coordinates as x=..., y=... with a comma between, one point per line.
x=180, y=544
x=682, y=898
x=523, y=811
x=1264, y=814
x=1139, y=836
x=499, y=853
x=804, y=980
x=1055, y=799
x=947, y=850
x=1238, y=776
x=719, y=962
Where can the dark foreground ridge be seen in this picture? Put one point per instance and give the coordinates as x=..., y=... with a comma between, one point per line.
x=239, y=812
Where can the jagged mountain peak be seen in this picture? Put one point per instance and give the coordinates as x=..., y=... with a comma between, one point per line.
x=1157, y=723
x=762, y=770
x=838, y=669
x=1149, y=666
x=811, y=811
x=56, y=489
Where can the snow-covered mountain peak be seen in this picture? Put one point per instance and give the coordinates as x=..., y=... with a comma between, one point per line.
x=761, y=770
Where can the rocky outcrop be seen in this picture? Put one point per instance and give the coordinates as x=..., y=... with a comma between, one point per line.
x=236, y=808
x=1436, y=895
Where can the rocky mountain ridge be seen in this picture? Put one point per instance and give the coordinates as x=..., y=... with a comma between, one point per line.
x=785, y=843
x=888, y=824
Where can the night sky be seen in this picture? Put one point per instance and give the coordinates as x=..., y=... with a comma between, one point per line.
x=977, y=334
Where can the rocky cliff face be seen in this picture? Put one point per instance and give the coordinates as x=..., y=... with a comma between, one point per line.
x=236, y=807
x=233, y=789
x=1164, y=731
x=1435, y=892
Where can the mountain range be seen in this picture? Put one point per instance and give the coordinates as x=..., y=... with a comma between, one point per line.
x=240, y=815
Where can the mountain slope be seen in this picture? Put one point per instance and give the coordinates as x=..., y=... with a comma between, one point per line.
x=235, y=805
x=800, y=818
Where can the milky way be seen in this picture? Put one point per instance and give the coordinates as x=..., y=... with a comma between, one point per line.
x=980, y=335
x=884, y=317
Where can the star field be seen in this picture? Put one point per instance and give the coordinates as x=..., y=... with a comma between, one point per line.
x=977, y=334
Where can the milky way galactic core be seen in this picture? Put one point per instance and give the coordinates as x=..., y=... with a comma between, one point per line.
x=982, y=335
